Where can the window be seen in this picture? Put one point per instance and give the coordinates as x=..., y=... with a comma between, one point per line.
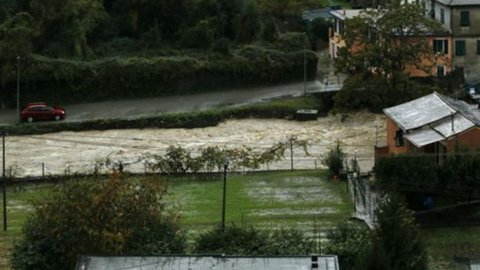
x=478, y=46
x=464, y=18
x=442, y=15
x=440, y=46
x=399, y=138
x=440, y=71
x=460, y=47
x=341, y=27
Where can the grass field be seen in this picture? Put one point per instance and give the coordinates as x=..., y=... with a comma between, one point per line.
x=283, y=199
x=302, y=199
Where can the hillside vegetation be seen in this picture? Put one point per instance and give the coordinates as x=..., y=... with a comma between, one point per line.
x=82, y=50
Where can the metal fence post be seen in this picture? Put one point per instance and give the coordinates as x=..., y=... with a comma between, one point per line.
x=4, y=179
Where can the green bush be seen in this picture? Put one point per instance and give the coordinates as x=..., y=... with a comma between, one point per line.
x=247, y=240
x=334, y=160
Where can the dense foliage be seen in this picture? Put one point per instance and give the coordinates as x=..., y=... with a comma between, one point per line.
x=247, y=240
x=384, y=49
x=394, y=243
x=456, y=177
x=82, y=50
x=66, y=81
x=115, y=217
x=380, y=94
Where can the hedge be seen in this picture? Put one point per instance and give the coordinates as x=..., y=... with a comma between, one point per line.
x=60, y=81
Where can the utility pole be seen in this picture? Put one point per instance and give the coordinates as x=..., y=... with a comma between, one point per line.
x=291, y=154
x=4, y=184
x=225, y=167
x=18, y=89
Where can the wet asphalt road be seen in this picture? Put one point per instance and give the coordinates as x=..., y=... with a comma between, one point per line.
x=130, y=109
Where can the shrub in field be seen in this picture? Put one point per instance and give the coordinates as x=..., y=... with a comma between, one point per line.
x=334, y=160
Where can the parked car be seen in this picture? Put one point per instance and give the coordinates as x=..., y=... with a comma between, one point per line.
x=36, y=111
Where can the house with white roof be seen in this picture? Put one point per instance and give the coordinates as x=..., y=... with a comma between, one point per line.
x=433, y=124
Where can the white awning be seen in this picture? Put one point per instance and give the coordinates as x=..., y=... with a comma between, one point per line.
x=423, y=137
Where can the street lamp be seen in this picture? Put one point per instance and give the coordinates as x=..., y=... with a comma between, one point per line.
x=18, y=89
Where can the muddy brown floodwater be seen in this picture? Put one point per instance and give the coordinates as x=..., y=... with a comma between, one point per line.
x=78, y=152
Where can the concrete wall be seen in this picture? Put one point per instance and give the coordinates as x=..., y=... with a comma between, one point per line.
x=473, y=29
x=471, y=60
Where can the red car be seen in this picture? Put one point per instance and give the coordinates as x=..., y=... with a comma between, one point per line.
x=41, y=111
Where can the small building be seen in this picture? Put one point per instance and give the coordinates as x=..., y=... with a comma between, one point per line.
x=432, y=124
x=208, y=263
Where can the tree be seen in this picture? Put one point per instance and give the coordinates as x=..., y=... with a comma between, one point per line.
x=65, y=25
x=387, y=42
x=247, y=22
x=16, y=34
x=397, y=243
x=114, y=217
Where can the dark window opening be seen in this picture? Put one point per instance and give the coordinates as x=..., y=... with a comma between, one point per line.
x=464, y=18
x=399, y=138
x=460, y=47
x=440, y=71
